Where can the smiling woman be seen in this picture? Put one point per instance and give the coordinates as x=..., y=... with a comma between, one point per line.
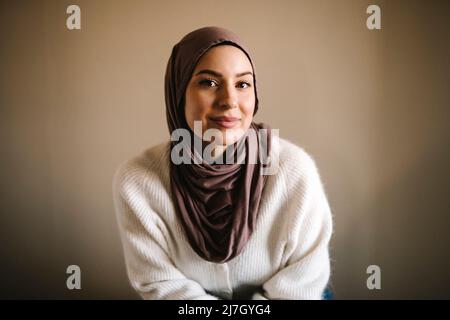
x=222, y=231
x=220, y=94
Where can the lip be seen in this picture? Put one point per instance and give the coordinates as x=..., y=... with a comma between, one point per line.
x=225, y=121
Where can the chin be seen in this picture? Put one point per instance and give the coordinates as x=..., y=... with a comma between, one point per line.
x=232, y=135
x=229, y=135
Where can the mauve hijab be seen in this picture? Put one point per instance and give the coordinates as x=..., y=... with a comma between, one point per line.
x=217, y=204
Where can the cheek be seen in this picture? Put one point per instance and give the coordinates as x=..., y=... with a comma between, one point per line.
x=196, y=108
x=247, y=110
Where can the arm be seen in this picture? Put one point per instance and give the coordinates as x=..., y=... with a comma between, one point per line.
x=307, y=267
x=150, y=270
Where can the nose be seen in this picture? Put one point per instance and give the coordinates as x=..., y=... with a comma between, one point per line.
x=227, y=97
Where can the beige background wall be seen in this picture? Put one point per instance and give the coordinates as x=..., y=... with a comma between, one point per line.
x=372, y=107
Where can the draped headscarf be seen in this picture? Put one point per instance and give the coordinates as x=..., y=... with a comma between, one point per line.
x=217, y=204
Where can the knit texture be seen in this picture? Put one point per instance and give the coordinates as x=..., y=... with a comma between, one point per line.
x=285, y=258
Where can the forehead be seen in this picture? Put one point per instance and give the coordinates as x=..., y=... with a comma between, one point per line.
x=225, y=57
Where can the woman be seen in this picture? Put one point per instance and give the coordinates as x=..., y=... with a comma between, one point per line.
x=198, y=229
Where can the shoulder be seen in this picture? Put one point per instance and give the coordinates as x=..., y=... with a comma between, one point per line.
x=307, y=205
x=141, y=191
x=294, y=161
x=149, y=169
x=298, y=169
x=293, y=152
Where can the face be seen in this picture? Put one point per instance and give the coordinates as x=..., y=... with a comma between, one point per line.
x=220, y=93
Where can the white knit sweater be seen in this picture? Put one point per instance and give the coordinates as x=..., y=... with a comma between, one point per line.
x=285, y=258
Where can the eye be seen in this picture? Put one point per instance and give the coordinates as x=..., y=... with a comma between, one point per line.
x=244, y=85
x=208, y=83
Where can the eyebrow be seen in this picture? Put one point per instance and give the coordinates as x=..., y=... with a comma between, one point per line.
x=217, y=74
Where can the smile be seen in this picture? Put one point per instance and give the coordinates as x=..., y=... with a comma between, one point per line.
x=226, y=122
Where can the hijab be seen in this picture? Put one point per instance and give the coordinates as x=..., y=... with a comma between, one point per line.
x=217, y=204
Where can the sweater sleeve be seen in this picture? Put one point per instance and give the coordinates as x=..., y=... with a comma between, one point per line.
x=150, y=270
x=306, y=265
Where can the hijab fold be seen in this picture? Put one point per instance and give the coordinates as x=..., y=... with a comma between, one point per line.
x=217, y=204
